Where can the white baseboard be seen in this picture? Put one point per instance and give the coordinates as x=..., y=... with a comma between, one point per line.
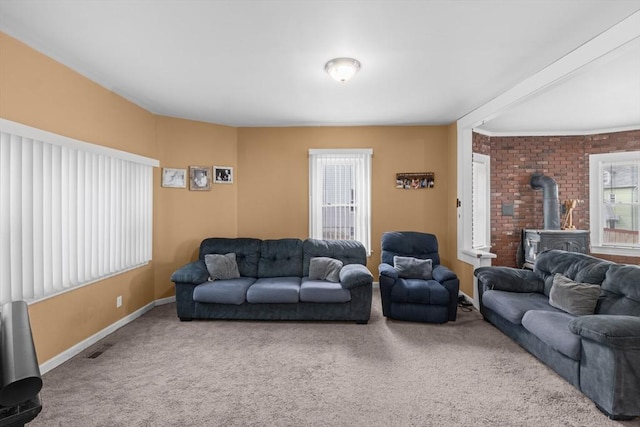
x=83, y=345
x=164, y=301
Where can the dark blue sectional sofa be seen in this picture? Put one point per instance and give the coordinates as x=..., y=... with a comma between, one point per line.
x=274, y=282
x=598, y=352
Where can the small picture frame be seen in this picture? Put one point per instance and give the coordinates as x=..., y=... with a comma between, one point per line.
x=223, y=174
x=199, y=178
x=174, y=178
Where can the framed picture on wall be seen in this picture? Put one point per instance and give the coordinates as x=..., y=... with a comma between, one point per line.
x=174, y=178
x=200, y=178
x=223, y=174
x=415, y=180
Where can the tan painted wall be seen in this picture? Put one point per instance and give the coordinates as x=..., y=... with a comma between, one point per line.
x=185, y=217
x=273, y=179
x=39, y=92
x=268, y=200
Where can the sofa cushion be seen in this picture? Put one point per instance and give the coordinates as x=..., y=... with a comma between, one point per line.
x=280, y=258
x=247, y=252
x=552, y=328
x=221, y=267
x=323, y=291
x=621, y=291
x=231, y=291
x=347, y=251
x=274, y=290
x=409, y=243
x=413, y=268
x=513, y=305
x=325, y=268
x=578, y=267
x=419, y=291
x=578, y=299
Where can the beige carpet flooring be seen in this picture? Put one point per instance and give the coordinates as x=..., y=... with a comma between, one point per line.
x=158, y=371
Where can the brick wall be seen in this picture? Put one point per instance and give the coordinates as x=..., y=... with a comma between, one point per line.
x=563, y=158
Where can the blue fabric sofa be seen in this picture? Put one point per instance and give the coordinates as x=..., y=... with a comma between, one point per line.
x=599, y=352
x=274, y=282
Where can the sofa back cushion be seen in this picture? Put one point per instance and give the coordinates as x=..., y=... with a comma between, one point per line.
x=409, y=244
x=247, y=252
x=347, y=251
x=280, y=258
x=578, y=267
x=620, y=291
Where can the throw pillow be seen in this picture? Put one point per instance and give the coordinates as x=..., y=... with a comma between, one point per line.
x=579, y=299
x=324, y=268
x=222, y=267
x=413, y=268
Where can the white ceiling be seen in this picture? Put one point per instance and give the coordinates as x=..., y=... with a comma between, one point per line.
x=261, y=63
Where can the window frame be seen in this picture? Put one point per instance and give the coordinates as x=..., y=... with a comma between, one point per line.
x=71, y=213
x=316, y=182
x=596, y=189
x=484, y=160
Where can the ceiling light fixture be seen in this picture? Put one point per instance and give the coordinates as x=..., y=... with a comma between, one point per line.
x=342, y=69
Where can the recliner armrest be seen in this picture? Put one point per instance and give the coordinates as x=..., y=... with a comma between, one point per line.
x=194, y=272
x=388, y=271
x=353, y=275
x=611, y=330
x=509, y=279
x=442, y=273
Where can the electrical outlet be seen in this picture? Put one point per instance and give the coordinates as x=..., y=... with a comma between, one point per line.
x=119, y=301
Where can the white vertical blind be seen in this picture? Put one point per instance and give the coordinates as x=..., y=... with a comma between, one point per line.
x=71, y=212
x=340, y=195
x=481, y=237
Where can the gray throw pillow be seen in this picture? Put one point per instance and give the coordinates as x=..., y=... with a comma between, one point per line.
x=222, y=267
x=413, y=268
x=579, y=299
x=324, y=268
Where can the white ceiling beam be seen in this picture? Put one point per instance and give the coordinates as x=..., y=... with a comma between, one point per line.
x=620, y=34
x=601, y=45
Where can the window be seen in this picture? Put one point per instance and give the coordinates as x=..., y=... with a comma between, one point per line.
x=481, y=225
x=71, y=213
x=340, y=195
x=615, y=203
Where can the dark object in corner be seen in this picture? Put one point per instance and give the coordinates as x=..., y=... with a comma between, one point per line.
x=20, y=380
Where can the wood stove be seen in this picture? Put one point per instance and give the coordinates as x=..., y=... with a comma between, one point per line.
x=536, y=241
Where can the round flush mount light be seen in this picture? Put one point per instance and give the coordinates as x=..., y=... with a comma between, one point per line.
x=342, y=69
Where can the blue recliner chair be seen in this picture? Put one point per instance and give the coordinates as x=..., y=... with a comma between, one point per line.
x=419, y=298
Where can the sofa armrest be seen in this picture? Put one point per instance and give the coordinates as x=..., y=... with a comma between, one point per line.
x=442, y=273
x=353, y=275
x=194, y=272
x=508, y=279
x=611, y=330
x=387, y=270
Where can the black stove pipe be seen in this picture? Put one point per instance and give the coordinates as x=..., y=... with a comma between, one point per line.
x=550, y=200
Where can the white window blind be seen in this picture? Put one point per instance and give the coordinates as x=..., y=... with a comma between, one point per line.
x=481, y=236
x=340, y=195
x=71, y=212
